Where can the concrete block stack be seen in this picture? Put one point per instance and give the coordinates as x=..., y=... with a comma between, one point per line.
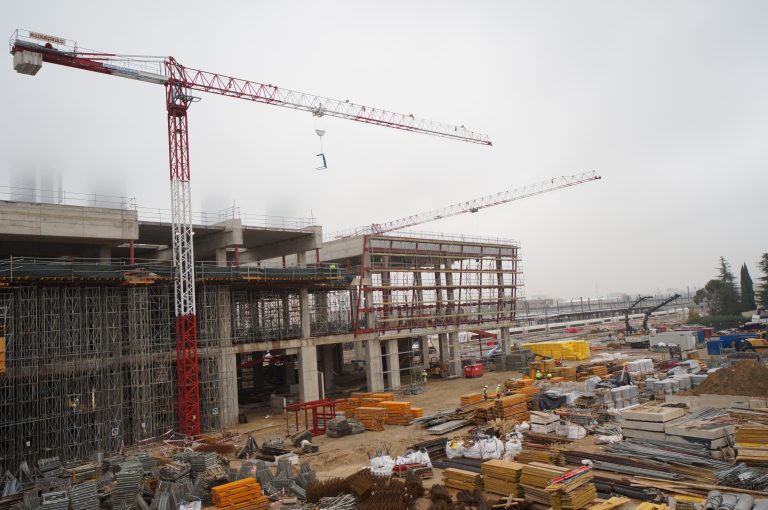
x=625, y=396
x=648, y=421
x=699, y=432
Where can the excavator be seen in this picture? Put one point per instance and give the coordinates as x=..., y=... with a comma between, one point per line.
x=639, y=339
x=628, y=329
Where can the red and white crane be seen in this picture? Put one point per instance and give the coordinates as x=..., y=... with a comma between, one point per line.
x=474, y=205
x=31, y=49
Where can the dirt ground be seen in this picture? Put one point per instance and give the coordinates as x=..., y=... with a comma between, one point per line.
x=345, y=455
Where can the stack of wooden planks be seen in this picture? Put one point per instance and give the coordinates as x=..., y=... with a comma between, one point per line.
x=536, y=477
x=483, y=412
x=579, y=497
x=372, y=418
x=752, y=444
x=513, y=406
x=528, y=391
x=529, y=455
x=502, y=477
x=398, y=413
x=243, y=494
x=471, y=398
x=462, y=479
x=558, y=487
x=596, y=370
x=383, y=396
x=417, y=412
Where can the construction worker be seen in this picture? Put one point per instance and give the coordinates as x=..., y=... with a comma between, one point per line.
x=538, y=375
x=424, y=376
x=485, y=392
x=498, y=390
x=549, y=376
x=332, y=267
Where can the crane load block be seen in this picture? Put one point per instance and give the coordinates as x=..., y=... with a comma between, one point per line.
x=27, y=62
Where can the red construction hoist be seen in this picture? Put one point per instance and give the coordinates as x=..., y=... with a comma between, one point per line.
x=31, y=49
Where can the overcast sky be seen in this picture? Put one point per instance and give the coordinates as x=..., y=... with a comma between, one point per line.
x=667, y=100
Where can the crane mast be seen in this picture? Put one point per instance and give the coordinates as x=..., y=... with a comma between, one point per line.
x=31, y=49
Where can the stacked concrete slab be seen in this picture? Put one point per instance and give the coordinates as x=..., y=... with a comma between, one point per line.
x=648, y=421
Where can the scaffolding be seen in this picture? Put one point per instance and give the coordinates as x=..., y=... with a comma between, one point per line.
x=90, y=348
x=409, y=284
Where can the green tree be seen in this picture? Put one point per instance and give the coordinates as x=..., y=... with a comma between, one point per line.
x=729, y=292
x=720, y=294
x=762, y=294
x=711, y=296
x=747, y=290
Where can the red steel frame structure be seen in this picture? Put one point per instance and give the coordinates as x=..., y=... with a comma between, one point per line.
x=31, y=49
x=410, y=284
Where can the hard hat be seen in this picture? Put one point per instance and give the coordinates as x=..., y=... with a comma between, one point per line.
x=486, y=385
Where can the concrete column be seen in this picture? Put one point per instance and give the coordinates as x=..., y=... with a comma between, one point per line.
x=417, y=283
x=221, y=257
x=444, y=349
x=424, y=346
x=393, y=364
x=386, y=281
x=359, y=350
x=228, y=401
x=373, y=370
x=290, y=373
x=227, y=366
x=301, y=259
x=454, y=348
x=504, y=339
x=451, y=305
x=329, y=365
x=308, y=386
x=224, y=316
x=306, y=325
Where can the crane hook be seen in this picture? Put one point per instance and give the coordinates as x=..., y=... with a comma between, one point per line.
x=320, y=133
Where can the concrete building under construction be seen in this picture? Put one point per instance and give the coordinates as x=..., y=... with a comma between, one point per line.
x=86, y=297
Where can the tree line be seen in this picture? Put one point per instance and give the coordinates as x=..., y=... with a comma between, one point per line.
x=724, y=296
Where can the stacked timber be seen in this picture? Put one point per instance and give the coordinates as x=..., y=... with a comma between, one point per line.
x=511, y=407
x=528, y=455
x=752, y=444
x=573, y=490
x=462, y=479
x=483, y=412
x=242, y=494
x=372, y=418
x=502, y=477
x=600, y=371
x=535, y=478
x=398, y=413
x=471, y=398
x=387, y=396
x=417, y=412
x=514, y=384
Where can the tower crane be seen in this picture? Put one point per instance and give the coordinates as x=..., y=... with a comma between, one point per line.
x=473, y=206
x=31, y=49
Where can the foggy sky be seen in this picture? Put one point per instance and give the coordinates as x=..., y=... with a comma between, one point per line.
x=667, y=100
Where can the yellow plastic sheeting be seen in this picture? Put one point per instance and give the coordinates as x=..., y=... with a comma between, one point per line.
x=569, y=350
